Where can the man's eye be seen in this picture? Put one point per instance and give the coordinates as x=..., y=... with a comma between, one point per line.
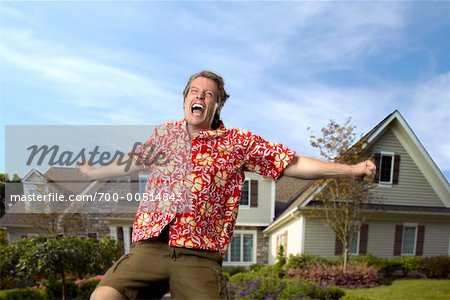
x=193, y=91
x=209, y=94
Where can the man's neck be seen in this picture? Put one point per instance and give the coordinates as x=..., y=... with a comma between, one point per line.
x=193, y=131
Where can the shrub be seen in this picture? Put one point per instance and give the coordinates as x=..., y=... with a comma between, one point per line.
x=411, y=263
x=23, y=294
x=27, y=262
x=269, y=283
x=436, y=267
x=305, y=260
x=357, y=275
x=54, y=289
x=230, y=271
x=86, y=288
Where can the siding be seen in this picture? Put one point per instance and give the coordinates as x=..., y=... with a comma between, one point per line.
x=381, y=238
x=413, y=188
x=437, y=239
x=262, y=213
x=294, y=239
x=319, y=238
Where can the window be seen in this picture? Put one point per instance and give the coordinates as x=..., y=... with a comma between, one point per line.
x=245, y=194
x=409, y=240
x=386, y=168
x=282, y=241
x=142, y=183
x=92, y=235
x=33, y=191
x=358, y=242
x=241, y=249
x=354, y=243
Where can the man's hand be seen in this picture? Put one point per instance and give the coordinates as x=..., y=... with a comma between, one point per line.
x=364, y=171
x=87, y=171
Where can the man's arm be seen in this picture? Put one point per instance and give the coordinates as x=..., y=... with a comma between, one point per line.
x=310, y=168
x=111, y=170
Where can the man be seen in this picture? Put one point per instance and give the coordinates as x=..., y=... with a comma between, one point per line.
x=179, y=246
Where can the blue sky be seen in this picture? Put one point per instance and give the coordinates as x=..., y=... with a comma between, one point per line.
x=287, y=65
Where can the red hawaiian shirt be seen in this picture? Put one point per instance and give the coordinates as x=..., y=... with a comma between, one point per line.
x=195, y=185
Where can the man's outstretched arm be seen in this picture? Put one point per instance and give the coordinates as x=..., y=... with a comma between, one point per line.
x=310, y=168
x=114, y=169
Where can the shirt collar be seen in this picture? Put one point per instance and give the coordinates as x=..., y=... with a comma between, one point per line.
x=208, y=133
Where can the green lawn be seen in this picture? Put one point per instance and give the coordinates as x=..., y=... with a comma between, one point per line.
x=407, y=289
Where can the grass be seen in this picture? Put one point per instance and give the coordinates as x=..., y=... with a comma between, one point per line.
x=406, y=289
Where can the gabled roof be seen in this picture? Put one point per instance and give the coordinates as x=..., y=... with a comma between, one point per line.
x=416, y=150
x=288, y=190
x=30, y=174
x=69, y=179
x=411, y=143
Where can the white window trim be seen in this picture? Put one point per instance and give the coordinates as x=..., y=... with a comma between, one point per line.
x=391, y=154
x=142, y=177
x=247, y=206
x=449, y=243
x=255, y=246
x=358, y=236
x=416, y=226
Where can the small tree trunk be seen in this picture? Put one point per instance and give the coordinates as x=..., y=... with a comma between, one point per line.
x=63, y=282
x=346, y=255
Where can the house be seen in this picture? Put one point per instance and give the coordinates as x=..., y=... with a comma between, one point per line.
x=28, y=218
x=412, y=218
x=249, y=245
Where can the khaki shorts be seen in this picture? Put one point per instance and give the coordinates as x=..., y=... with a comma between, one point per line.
x=152, y=268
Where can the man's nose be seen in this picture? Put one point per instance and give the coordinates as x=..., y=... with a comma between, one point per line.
x=201, y=95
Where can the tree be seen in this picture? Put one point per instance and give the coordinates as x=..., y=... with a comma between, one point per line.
x=29, y=261
x=342, y=199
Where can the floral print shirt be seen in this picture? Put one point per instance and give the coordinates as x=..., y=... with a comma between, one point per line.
x=194, y=186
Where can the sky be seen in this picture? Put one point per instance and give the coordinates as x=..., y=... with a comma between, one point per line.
x=287, y=65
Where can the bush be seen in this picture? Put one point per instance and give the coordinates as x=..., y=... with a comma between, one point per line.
x=23, y=294
x=54, y=289
x=86, y=288
x=27, y=262
x=358, y=275
x=436, y=267
x=269, y=283
x=305, y=260
x=230, y=271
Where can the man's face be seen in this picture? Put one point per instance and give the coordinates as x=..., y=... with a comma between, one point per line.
x=201, y=103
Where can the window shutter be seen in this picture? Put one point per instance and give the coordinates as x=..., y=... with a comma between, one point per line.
x=396, y=169
x=377, y=162
x=134, y=183
x=398, y=240
x=285, y=243
x=420, y=240
x=363, y=237
x=338, y=246
x=253, y=193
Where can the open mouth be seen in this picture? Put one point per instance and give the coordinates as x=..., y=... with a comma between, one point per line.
x=197, y=109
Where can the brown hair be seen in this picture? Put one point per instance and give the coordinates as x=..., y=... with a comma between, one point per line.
x=222, y=96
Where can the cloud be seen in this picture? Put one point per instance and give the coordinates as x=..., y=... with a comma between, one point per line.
x=429, y=116
x=87, y=83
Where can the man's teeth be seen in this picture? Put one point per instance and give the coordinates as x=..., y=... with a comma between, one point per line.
x=197, y=106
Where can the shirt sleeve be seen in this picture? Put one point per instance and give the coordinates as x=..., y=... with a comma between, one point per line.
x=142, y=154
x=267, y=158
